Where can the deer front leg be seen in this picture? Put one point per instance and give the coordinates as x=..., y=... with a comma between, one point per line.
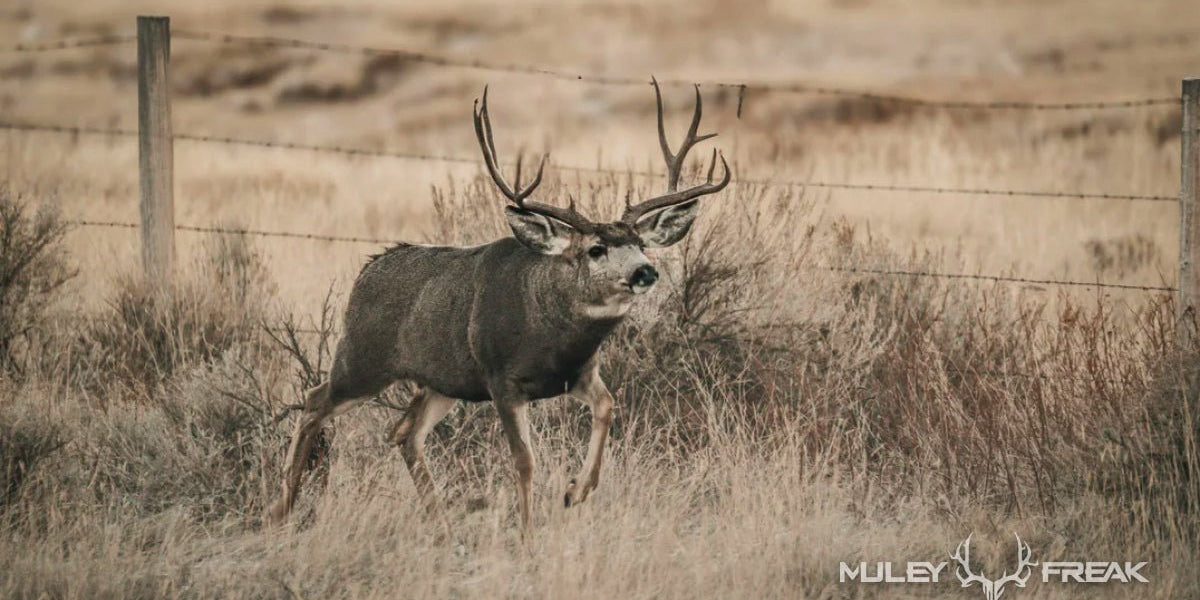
x=592, y=391
x=514, y=418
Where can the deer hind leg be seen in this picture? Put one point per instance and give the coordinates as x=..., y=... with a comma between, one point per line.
x=428, y=408
x=593, y=392
x=514, y=418
x=318, y=407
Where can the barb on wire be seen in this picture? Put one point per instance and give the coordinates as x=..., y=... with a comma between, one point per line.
x=347, y=151
x=738, y=87
x=1001, y=278
x=102, y=40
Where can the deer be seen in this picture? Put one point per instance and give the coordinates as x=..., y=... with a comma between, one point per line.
x=513, y=321
x=992, y=590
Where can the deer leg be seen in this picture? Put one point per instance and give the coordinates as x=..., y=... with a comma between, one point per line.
x=319, y=405
x=403, y=427
x=317, y=408
x=514, y=418
x=593, y=392
x=427, y=410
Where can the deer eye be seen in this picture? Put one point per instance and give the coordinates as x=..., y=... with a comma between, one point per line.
x=597, y=251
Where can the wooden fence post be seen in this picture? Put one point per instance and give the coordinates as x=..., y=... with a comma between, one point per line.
x=156, y=155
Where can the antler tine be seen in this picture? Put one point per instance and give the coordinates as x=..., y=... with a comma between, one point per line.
x=672, y=176
x=516, y=193
x=675, y=162
x=537, y=180
x=487, y=122
x=483, y=132
x=517, y=177
x=637, y=211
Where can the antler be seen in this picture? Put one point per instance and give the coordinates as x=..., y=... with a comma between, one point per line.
x=675, y=166
x=962, y=555
x=1024, y=553
x=515, y=193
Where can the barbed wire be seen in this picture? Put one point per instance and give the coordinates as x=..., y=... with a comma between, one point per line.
x=102, y=40
x=859, y=270
x=67, y=129
x=239, y=231
x=1001, y=278
x=739, y=87
x=349, y=151
x=966, y=191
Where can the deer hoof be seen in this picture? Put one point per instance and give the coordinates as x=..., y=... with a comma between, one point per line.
x=576, y=494
x=401, y=430
x=276, y=514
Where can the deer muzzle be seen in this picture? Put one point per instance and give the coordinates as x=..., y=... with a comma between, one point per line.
x=643, y=278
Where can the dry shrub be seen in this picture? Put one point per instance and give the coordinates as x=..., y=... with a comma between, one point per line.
x=148, y=332
x=982, y=392
x=764, y=401
x=184, y=398
x=33, y=267
x=207, y=446
x=26, y=439
x=1154, y=461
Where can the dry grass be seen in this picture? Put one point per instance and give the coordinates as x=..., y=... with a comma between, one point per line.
x=774, y=418
x=770, y=427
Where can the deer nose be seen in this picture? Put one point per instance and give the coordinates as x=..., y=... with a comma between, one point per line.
x=643, y=277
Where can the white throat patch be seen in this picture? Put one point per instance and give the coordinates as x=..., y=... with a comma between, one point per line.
x=614, y=306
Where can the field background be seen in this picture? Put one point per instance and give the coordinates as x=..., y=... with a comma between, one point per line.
x=862, y=439
x=1051, y=52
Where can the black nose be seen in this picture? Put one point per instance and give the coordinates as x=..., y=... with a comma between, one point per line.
x=643, y=276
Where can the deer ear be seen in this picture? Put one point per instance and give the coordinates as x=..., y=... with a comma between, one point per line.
x=667, y=227
x=538, y=232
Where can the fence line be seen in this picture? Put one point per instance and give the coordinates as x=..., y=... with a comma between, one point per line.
x=239, y=231
x=102, y=40
x=348, y=151
x=859, y=270
x=739, y=87
x=871, y=187
x=1001, y=278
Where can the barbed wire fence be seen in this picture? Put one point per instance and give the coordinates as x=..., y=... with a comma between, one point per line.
x=161, y=103
x=740, y=87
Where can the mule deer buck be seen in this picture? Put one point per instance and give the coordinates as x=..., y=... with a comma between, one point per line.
x=516, y=320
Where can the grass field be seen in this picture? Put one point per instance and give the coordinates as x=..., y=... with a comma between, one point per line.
x=775, y=418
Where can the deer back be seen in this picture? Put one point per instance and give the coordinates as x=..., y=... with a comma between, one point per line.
x=464, y=321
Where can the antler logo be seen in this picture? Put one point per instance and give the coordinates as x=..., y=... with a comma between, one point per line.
x=993, y=589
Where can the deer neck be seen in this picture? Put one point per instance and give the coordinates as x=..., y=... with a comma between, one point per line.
x=560, y=296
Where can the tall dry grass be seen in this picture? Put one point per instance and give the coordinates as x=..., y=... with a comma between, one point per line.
x=774, y=419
